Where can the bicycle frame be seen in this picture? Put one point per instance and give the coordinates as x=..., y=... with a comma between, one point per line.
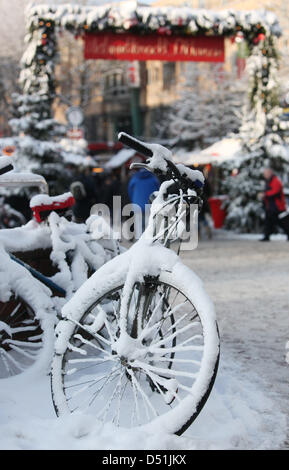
x=166, y=216
x=170, y=210
x=45, y=280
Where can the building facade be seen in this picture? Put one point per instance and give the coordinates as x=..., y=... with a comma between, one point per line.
x=112, y=103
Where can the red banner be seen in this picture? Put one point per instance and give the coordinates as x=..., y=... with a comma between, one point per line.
x=127, y=46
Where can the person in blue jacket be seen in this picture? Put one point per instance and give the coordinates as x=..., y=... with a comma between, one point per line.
x=141, y=185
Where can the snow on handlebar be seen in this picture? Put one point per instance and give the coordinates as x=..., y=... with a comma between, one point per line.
x=160, y=159
x=5, y=165
x=157, y=154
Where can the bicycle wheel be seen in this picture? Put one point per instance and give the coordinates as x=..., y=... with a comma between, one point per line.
x=20, y=337
x=160, y=373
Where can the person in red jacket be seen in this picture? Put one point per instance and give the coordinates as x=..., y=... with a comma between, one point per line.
x=274, y=203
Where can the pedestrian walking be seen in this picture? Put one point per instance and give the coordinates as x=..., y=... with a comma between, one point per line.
x=84, y=192
x=81, y=208
x=112, y=187
x=274, y=204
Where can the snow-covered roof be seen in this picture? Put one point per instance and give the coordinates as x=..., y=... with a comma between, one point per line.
x=120, y=158
x=223, y=150
x=77, y=160
x=14, y=179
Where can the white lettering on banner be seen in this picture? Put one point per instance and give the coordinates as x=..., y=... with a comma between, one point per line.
x=127, y=46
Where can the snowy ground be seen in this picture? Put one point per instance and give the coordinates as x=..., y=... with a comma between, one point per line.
x=248, y=282
x=248, y=407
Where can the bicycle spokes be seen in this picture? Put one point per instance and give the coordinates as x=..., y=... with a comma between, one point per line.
x=153, y=368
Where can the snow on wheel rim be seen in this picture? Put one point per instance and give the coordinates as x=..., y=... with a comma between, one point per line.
x=176, y=419
x=24, y=339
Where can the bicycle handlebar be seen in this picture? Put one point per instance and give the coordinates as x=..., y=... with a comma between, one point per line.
x=5, y=165
x=135, y=144
x=148, y=151
x=160, y=162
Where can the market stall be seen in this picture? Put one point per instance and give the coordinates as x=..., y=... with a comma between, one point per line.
x=209, y=160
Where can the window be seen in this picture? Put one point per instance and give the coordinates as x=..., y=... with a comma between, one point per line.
x=169, y=75
x=114, y=85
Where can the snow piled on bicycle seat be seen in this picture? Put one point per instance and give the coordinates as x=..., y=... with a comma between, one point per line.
x=238, y=415
x=44, y=199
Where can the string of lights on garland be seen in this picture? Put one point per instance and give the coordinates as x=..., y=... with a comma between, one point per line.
x=165, y=20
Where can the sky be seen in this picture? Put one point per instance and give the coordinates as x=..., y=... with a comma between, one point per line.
x=12, y=30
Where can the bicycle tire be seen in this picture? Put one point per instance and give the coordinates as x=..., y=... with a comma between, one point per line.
x=187, y=401
x=21, y=337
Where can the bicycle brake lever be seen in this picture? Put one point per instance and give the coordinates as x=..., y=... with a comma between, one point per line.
x=133, y=166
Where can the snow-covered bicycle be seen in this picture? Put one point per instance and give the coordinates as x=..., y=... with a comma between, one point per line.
x=41, y=265
x=139, y=344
